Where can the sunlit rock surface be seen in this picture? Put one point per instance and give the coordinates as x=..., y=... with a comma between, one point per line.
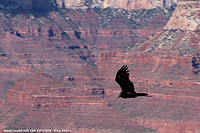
x=185, y=17
x=125, y=4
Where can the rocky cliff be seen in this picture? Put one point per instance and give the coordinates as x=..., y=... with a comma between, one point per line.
x=54, y=42
x=168, y=61
x=185, y=17
x=47, y=5
x=125, y=4
x=38, y=98
x=181, y=34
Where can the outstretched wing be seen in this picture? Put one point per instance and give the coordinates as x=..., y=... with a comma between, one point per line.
x=122, y=78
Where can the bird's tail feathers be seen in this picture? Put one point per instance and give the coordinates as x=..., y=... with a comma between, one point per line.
x=144, y=94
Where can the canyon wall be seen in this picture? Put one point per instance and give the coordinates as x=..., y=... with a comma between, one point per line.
x=174, y=99
x=38, y=98
x=125, y=4
x=185, y=17
x=47, y=5
x=56, y=42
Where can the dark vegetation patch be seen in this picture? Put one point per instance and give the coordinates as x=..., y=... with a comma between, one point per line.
x=11, y=82
x=196, y=64
x=64, y=35
x=77, y=34
x=74, y=47
x=14, y=63
x=50, y=33
x=3, y=55
x=18, y=34
x=39, y=29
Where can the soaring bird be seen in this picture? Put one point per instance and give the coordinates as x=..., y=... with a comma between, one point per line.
x=128, y=90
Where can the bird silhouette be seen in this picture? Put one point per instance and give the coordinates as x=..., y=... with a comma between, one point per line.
x=128, y=90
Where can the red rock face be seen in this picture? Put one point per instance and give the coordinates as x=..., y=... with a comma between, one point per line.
x=38, y=98
x=65, y=44
x=171, y=83
x=63, y=39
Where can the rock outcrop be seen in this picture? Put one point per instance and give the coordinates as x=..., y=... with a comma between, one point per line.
x=48, y=5
x=167, y=66
x=38, y=98
x=125, y=4
x=52, y=44
x=185, y=17
x=181, y=34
